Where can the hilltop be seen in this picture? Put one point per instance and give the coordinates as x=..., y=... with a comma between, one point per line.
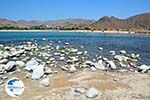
x=137, y=23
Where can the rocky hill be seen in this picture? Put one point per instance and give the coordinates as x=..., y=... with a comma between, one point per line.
x=49, y=24
x=139, y=22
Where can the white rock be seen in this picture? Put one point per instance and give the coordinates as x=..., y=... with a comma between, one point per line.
x=17, y=53
x=64, y=68
x=121, y=58
x=44, y=39
x=9, y=65
x=80, y=90
x=20, y=64
x=93, y=68
x=111, y=64
x=105, y=59
x=92, y=93
x=138, y=55
x=2, y=68
x=99, y=65
x=7, y=48
x=74, y=59
x=28, y=75
x=79, y=53
x=66, y=43
x=85, y=52
x=144, y=68
x=57, y=54
x=1, y=82
x=62, y=58
x=112, y=52
x=57, y=47
x=133, y=56
x=100, y=48
x=3, y=61
x=52, y=59
x=123, y=52
x=72, y=69
x=123, y=65
x=38, y=72
x=48, y=70
x=6, y=54
x=62, y=55
x=73, y=93
x=89, y=63
x=45, y=82
x=74, y=50
x=30, y=65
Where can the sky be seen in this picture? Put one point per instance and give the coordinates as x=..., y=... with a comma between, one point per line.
x=61, y=9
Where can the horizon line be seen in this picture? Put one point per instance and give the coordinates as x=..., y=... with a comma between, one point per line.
x=57, y=19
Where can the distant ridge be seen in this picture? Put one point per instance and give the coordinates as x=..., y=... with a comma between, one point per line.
x=139, y=22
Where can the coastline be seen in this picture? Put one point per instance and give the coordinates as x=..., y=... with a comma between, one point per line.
x=96, y=31
x=83, y=31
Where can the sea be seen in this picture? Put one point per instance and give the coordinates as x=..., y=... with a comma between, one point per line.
x=138, y=44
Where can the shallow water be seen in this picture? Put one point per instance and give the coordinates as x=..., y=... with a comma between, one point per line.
x=91, y=41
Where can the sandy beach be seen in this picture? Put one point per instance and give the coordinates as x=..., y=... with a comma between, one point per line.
x=111, y=85
x=96, y=31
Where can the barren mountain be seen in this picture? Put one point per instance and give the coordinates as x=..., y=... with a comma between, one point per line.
x=47, y=24
x=135, y=23
x=138, y=22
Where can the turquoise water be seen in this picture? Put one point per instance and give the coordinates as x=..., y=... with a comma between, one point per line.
x=91, y=41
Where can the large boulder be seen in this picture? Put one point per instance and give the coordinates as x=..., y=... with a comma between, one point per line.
x=31, y=65
x=99, y=65
x=89, y=63
x=3, y=61
x=38, y=72
x=20, y=64
x=112, y=65
x=10, y=65
x=143, y=68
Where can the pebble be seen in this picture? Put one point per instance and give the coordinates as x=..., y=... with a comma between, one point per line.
x=100, y=48
x=64, y=68
x=112, y=52
x=123, y=52
x=45, y=82
x=62, y=58
x=80, y=90
x=72, y=69
x=73, y=92
x=48, y=71
x=92, y=93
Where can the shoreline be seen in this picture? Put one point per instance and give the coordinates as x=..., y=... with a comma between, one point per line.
x=96, y=31
x=82, y=31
